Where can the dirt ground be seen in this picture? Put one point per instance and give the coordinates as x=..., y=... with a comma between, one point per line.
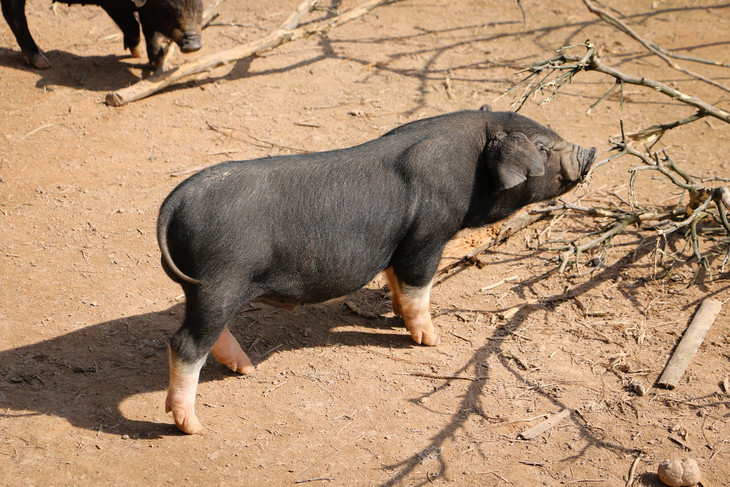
x=341, y=394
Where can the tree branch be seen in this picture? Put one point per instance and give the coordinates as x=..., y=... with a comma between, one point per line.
x=706, y=205
x=286, y=33
x=650, y=46
x=565, y=66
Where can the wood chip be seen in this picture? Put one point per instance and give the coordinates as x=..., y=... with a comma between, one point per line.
x=539, y=429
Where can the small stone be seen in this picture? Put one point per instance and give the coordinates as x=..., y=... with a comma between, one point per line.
x=638, y=387
x=679, y=473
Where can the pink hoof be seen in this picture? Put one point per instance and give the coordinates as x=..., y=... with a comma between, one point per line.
x=429, y=339
x=228, y=352
x=184, y=416
x=136, y=50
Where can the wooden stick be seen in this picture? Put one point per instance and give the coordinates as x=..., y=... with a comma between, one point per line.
x=286, y=33
x=690, y=343
x=632, y=470
x=539, y=429
x=440, y=376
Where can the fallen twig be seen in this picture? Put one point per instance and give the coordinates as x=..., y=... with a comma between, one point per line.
x=512, y=421
x=509, y=313
x=286, y=33
x=549, y=423
x=440, y=376
x=575, y=250
x=679, y=442
x=632, y=470
x=694, y=404
x=184, y=172
x=299, y=479
x=318, y=479
x=499, y=283
x=272, y=389
x=690, y=343
x=705, y=205
x=43, y=127
x=430, y=364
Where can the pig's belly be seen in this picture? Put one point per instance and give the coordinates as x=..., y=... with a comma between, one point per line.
x=318, y=284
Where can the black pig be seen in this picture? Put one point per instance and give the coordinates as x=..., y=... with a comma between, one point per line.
x=307, y=228
x=178, y=20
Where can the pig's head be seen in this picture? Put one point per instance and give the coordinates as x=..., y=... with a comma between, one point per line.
x=178, y=20
x=530, y=162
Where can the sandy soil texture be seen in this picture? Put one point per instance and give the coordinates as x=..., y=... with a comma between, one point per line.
x=341, y=395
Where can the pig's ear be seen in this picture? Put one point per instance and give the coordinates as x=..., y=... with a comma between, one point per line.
x=139, y=3
x=511, y=159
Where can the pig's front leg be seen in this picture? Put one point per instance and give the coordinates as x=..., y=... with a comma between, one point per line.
x=228, y=352
x=412, y=304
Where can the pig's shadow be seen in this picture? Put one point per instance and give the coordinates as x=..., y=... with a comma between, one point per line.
x=85, y=375
x=89, y=72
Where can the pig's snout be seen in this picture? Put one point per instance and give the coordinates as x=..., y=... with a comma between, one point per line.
x=190, y=42
x=586, y=158
x=576, y=162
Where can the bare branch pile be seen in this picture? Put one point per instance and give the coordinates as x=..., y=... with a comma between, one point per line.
x=704, y=214
x=701, y=214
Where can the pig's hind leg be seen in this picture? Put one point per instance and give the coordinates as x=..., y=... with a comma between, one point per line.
x=207, y=310
x=395, y=295
x=228, y=352
x=14, y=13
x=123, y=15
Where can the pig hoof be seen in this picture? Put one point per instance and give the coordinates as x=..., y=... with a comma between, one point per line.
x=136, y=50
x=241, y=368
x=227, y=351
x=186, y=421
x=429, y=339
x=39, y=61
x=186, y=424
